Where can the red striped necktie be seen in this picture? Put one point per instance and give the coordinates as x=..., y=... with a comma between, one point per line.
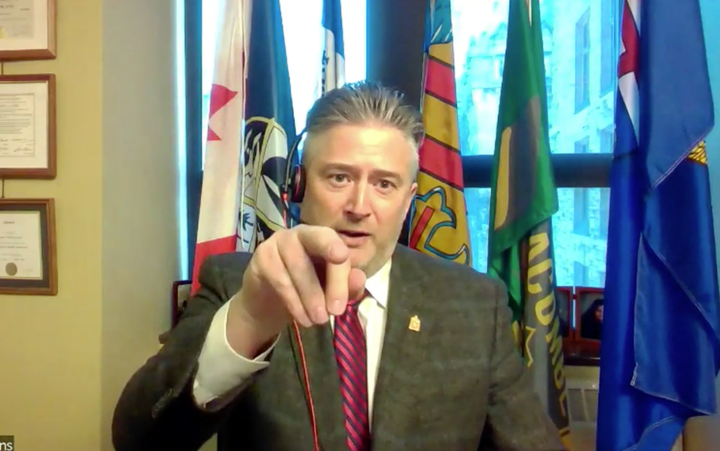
x=351, y=356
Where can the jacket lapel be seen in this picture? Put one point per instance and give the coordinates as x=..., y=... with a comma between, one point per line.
x=402, y=351
x=317, y=345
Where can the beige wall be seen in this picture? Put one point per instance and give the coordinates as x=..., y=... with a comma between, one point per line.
x=65, y=358
x=139, y=197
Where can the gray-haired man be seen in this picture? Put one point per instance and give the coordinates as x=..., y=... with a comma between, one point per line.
x=330, y=336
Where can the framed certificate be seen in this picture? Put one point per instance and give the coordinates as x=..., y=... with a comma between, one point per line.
x=27, y=126
x=28, y=30
x=28, y=263
x=181, y=292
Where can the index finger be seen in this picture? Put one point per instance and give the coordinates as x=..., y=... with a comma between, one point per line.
x=337, y=287
x=323, y=243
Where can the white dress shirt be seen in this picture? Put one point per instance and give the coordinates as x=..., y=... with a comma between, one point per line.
x=221, y=369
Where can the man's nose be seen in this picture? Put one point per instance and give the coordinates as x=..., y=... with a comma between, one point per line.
x=359, y=201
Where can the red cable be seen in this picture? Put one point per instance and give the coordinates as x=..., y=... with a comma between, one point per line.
x=284, y=197
x=308, y=393
x=307, y=387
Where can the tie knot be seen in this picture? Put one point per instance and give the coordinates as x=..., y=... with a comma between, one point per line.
x=355, y=303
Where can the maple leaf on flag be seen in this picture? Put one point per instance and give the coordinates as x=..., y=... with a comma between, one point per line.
x=219, y=97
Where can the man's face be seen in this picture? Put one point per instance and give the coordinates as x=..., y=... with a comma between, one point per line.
x=360, y=182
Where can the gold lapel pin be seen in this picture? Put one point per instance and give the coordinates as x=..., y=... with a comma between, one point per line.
x=414, y=324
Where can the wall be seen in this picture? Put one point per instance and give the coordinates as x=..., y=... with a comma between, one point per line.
x=50, y=375
x=139, y=202
x=65, y=358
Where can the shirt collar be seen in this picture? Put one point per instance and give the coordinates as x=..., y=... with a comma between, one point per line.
x=378, y=285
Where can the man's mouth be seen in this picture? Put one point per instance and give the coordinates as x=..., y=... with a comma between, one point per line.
x=353, y=233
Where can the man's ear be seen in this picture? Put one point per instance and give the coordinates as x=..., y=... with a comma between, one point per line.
x=411, y=197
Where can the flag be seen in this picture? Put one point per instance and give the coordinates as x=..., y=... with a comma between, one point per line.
x=269, y=129
x=438, y=222
x=660, y=351
x=219, y=199
x=245, y=167
x=333, y=55
x=523, y=201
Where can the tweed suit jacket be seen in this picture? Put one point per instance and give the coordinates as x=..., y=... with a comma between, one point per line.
x=457, y=384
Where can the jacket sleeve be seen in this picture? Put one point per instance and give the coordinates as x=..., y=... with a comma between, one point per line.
x=156, y=409
x=517, y=420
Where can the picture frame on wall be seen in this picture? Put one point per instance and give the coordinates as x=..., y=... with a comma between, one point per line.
x=28, y=261
x=589, y=318
x=181, y=293
x=28, y=30
x=28, y=126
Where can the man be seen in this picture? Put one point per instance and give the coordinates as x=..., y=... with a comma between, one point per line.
x=275, y=348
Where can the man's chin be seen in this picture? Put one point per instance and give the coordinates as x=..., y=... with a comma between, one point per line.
x=359, y=258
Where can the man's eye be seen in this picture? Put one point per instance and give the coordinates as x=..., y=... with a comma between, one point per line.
x=386, y=184
x=339, y=178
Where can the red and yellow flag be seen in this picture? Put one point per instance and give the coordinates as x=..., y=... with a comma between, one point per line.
x=438, y=224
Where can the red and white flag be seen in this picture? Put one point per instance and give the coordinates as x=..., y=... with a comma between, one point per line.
x=220, y=197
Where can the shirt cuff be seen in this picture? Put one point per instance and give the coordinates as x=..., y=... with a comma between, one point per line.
x=220, y=368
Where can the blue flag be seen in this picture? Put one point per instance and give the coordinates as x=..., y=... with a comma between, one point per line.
x=269, y=128
x=333, y=55
x=660, y=348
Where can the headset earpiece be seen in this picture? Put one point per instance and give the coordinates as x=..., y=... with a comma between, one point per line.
x=296, y=190
x=294, y=185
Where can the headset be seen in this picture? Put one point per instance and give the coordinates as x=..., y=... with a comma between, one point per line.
x=293, y=189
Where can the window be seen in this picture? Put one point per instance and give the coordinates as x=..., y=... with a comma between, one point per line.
x=608, y=44
x=581, y=274
x=607, y=139
x=499, y=65
x=582, y=61
x=302, y=45
x=575, y=37
x=604, y=211
x=581, y=209
x=580, y=120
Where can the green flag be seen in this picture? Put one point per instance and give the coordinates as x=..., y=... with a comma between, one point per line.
x=523, y=201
